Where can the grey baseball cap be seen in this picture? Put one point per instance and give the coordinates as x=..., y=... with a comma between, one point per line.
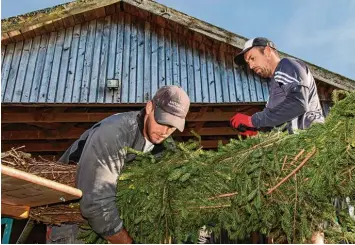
x=171, y=106
x=255, y=42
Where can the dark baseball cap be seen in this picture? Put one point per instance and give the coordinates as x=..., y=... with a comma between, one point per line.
x=171, y=106
x=255, y=42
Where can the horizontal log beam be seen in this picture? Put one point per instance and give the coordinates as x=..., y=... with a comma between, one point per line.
x=75, y=133
x=25, y=117
x=63, y=146
x=210, y=131
x=38, y=146
x=72, y=133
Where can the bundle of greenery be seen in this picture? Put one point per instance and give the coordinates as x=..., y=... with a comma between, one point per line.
x=281, y=185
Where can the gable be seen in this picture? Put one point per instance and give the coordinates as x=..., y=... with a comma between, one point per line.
x=197, y=45
x=74, y=64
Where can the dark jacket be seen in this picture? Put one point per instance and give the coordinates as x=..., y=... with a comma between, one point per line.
x=293, y=98
x=101, y=156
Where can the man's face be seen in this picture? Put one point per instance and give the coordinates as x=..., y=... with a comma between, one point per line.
x=155, y=132
x=258, y=61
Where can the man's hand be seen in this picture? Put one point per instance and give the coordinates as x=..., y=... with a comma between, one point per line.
x=121, y=237
x=317, y=237
x=243, y=124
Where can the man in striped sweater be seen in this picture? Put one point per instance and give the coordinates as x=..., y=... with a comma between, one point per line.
x=293, y=94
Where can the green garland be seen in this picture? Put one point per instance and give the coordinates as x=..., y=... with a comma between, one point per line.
x=278, y=184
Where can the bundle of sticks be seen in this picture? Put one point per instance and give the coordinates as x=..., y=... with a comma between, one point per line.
x=62, y=173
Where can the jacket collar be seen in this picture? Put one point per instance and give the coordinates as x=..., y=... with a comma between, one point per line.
x=140, y=120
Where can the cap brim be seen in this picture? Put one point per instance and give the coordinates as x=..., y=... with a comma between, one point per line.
x=239, y=58
x=165, y=118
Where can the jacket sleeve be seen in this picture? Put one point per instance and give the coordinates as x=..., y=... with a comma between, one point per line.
x=100, y=164
x=293, y=81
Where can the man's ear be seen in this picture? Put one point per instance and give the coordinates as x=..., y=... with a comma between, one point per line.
x=267, y=51
x=149, y=107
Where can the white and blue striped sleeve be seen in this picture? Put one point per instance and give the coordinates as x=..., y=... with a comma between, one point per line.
x=292, y=78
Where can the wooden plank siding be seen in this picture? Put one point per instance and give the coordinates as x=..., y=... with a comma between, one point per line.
x=73, y=62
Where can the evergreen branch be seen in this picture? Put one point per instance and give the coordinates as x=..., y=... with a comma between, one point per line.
x=295, y=210
x=263, y=144
x=215, y=206
x=224, y=195
x=293, y=172
x=296, y=157
x=283, y=164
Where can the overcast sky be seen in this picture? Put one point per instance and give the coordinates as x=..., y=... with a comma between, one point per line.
x=321, y=32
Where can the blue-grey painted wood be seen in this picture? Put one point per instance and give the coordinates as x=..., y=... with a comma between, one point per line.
x=230, y=79
x=53, y=81
x=28, y=82
x=245, y=85
x=217, y=76
x=224, y=78
x=190, y=71
x=64, y=64
x=74, y=64
x=21, y=76
x=10, y=88
x=103, y=61
x=74, y=50
x=154, y=61
x=168, y=59
x=238, y=84
x=80, y=63
x=161, y=58
x=126, y=58
x=265, y=88
x=47, y=68
x=183, y=63
x=175, y=59
x=211, y=75
x=3, y=50
x=6, y=66
x=119, y=56
x=147, y=61
x=88, y=62
x=95, y=65
x=204, y=77
x=197, y=72
x=132, y=78
x=252, y=88
x=109, y=94
x=39, y=69
x=140, y=64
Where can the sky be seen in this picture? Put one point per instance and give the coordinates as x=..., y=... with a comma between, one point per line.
x=321, y=32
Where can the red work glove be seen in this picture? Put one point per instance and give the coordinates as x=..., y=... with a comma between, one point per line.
x=240, y=121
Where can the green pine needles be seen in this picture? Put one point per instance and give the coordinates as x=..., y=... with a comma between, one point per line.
x=280, y=185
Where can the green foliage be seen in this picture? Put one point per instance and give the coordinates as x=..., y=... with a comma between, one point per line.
x=175, y=195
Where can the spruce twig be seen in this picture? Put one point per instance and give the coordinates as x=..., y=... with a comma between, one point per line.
x=215, y=206
x=224, y=195
x=295, y=210
x=283, y=164
x=293, y=172
x=297, y=156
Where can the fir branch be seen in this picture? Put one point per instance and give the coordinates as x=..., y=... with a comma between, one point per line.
x=295, y=210
x=296, y=157
x=283, y=164
x=293, y=172
x=215, y=206
x=224, y=195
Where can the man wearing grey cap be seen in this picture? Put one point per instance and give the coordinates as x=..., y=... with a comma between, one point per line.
x=293, y=93
x=101, y=155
